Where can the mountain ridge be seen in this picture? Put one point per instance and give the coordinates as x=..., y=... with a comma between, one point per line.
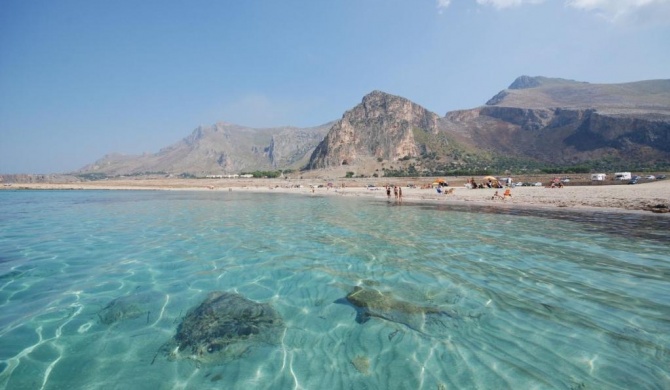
x=537, y=121
x=544, y=92
x=220, y=149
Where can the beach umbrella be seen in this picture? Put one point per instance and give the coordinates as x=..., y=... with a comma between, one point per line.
x=490, y=178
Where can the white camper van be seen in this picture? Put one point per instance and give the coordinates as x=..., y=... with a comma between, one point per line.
x=622, y=176
x=598, y=176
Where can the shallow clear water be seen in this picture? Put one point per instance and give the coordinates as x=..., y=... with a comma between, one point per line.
x=552, y=300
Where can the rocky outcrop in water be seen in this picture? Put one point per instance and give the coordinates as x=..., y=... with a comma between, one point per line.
x=372, y=303
x=223, y=327
x=145, y=304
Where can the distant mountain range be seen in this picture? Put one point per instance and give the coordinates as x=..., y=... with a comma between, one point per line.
x=536, y=123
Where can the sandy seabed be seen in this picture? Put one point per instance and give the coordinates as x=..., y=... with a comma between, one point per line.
x=653, y=196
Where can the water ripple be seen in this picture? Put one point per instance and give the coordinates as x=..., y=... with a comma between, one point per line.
x=529, y=300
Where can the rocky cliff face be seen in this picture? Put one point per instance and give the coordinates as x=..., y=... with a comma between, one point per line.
x=620, y=133
x=381, y=126
x=564, y=136
x=566, y=122
x=293, y=146
x=222, y=148
x=528, y=119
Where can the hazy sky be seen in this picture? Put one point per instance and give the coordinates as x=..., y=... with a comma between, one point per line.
x=80, y=79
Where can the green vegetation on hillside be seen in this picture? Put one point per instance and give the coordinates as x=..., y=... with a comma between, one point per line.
x=95, y=176
x=470, y=164
x=261, y=174
x=92, y=176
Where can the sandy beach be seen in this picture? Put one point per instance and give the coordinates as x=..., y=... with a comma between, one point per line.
x=652, y=196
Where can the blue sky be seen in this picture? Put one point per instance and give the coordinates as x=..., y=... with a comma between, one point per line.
x=83, y=78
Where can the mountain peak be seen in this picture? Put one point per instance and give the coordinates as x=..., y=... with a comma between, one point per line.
x=382, y=126
x=378, y=95
x=547, y=92
x=525, y=82
x=528, y=82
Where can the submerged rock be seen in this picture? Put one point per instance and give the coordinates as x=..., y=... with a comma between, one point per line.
x=223, y=327
x=374, y=303
x=362, y=364
x=378, y=304
x=131, y=306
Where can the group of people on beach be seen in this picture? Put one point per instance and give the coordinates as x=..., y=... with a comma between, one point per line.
x=446, y=191
x=507, y=193
x=556, y=183
x=490, y=183
x=397, y=192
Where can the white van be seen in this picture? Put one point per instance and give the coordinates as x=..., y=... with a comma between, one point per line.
x=598, y=176
x=622, y=175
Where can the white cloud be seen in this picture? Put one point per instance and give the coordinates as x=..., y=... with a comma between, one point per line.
x=507, y=3
x=616, y=11
x=626, y=10
x=443, y=4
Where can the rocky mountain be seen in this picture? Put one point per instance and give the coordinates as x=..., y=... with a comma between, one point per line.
x=542, y=92
x=537, y=122
x=383, y=126
x=223, y=148
x=565, y=122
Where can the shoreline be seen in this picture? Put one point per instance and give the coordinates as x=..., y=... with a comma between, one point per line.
x=647, y=198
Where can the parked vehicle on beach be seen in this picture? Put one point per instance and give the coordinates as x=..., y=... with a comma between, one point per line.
x=634, y=181
x=651, y=177
x=622, y=176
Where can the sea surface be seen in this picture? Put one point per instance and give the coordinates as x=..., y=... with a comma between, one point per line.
x=94, y=286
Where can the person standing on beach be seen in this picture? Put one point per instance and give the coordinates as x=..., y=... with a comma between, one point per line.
x=388, y=191
x=400, y=194
x=395, y=192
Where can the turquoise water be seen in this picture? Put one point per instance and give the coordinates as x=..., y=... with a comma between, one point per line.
x=527, y=301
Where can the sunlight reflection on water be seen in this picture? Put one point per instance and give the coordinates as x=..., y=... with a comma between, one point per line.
x=476, y=297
